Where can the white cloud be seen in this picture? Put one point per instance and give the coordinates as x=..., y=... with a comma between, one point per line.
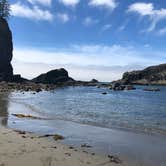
x=147, y=9
x=72, y=3
x=162, y=32
x=147, y=45
x=42, y=2
x=88, y=21
x=142, y=8
x=123, y=26
x=111, y=4
x=101, y=55
x=106, y=27
x=33, y=13
x=63, y=17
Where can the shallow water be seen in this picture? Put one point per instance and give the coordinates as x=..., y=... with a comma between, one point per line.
x=141, y=110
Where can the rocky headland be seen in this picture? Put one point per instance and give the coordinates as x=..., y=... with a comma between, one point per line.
x=153, y=75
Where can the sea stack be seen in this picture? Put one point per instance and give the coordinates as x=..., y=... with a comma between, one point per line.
x=54, y=77
x=6, y=51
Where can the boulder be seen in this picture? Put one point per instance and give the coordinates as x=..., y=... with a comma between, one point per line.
x=117, y=86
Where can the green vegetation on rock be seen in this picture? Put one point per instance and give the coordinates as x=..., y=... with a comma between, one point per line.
x=4, y=9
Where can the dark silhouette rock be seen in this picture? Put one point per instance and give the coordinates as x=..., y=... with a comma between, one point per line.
x=6, y=49
x=94, y=81
x=53, y=77
x=18, y=79
x=129, y=87
x=104, y=93
x=151, y=75
x=118, y=86
x=152, y=89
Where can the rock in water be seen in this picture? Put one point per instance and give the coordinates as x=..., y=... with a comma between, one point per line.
x=53, y=77
x=6, y=49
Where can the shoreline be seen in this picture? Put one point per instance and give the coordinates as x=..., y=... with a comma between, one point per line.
x=84, y=152
x=132, y=148
x=145, y=131
x=139, y=130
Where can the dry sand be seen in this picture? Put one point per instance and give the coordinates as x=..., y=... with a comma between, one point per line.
x=29, y=150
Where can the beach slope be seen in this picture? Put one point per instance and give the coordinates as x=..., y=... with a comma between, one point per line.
x=19, y=148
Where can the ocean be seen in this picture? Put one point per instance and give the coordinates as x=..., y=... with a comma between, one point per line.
x=134, y=110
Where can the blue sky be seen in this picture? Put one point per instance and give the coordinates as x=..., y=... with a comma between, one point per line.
x=91, y=38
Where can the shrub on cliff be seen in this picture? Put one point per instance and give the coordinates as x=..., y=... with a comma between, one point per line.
x=4, y=9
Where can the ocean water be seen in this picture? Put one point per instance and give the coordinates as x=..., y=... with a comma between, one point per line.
x=135, y=110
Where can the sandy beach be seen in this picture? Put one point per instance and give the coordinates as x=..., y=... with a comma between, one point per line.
x=18, y=149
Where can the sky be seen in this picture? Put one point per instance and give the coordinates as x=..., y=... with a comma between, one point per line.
x=99, y=39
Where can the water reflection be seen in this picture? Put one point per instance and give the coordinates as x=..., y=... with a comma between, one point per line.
x=4, y=102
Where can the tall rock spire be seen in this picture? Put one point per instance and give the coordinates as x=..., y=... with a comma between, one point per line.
x=6, y=51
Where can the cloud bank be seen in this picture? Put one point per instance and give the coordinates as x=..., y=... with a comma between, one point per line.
x=42, y=2
x=34, y=12
x=85, y=62
x=72, y=3
x=110, y=4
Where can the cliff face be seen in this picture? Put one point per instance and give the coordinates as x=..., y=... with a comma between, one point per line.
x=53, y=77
x=150, y=75
x=6, y=49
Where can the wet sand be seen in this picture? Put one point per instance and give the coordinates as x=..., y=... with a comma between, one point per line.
x=19, y=149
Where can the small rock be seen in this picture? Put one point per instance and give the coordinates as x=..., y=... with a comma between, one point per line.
x=152, y=89
x=85, y=146
x=58, y=137
x=20, y=132
x=68, y=154
x=114, y=159
x=38, y=90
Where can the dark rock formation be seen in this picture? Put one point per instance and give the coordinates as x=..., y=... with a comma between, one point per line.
x=151, y=75
x=94, y=81
x=53, y=77
x=6, y=48
x=18, y=79
x=152, y=89
x=117, y=86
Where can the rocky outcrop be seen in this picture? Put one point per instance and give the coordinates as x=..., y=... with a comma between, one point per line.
x=53, y=77
x=6, y=48
x=151, y=75
x=94, y=81
x=118, y=86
